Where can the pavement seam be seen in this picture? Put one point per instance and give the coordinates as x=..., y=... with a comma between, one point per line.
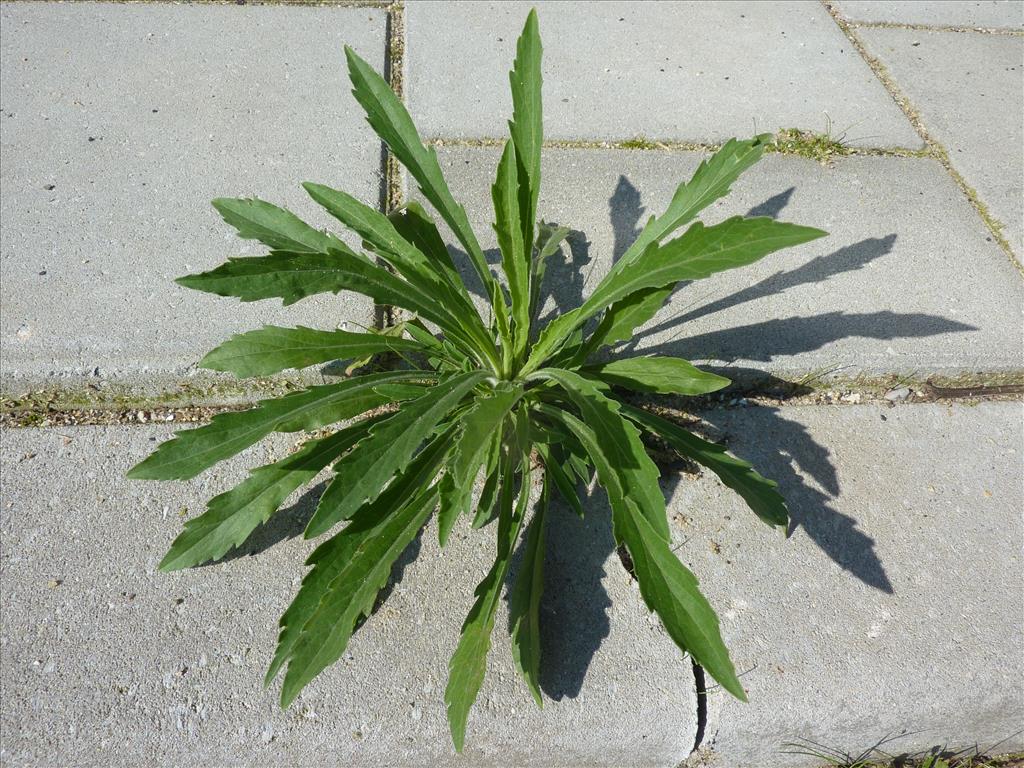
x=934, y=27
x=937, y=149
x=644, y=144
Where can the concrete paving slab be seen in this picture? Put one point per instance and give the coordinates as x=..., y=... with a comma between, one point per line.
x=119, y=124
x=895, y=605
x=105, y=662
x=988, y=14
x=969, y=90
x=908, y=282
x=669, y=70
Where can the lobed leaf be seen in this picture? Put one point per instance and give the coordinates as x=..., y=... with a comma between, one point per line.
x=191, y=451
x=700, y=252
x=667, y=586
x=478, y=427
x=508, y=226
x=469, y=662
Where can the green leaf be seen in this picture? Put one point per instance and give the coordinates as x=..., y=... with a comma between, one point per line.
x=619, y=442
x=469, y=662
x=390, y=120
x=623, y=317
x=414, y=224
x=667, y=586
x=549, y=238
x=273, y=349
x=232, y=516
x=478, y=426
x=294, y=276
x=663, y=375
x=556, y=473
x=492, y=474
x=359, y=541
x=699, y=253
x=526, y=126
x=349, y=570
x=508, y=226
x=275, y=227
x=361, y=475
x=760, y=493
x=524, y=602
x=191, y=451
x=710, y=182
x=671, y=590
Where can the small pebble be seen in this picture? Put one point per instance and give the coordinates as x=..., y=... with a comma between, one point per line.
x=897, y=394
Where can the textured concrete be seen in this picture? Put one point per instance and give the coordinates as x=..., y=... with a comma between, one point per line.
x=614, y=70
x=969, y=90
x=119, y=124
x=105, y=662
x=909, y=280
x=897, y=602
x=947, y=13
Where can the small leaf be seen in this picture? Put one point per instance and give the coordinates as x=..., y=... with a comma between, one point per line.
x=479, y=424
x=549, y=238
x=524, y=602
x=191, y=451
x=273, y=349
x=663, y=375
x=760, y=493
x=275, y=227
x=361, y=475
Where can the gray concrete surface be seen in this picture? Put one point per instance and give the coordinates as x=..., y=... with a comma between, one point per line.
x=105, y=662
x=969, y=90
x=947, y=13
x=689, y=71
x=909, y=280
x=119, y=124
x=897, y=602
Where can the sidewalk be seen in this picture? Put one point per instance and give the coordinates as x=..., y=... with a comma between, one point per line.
x=896, y=603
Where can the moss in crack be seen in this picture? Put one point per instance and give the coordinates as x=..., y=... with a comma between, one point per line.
x=816, y=146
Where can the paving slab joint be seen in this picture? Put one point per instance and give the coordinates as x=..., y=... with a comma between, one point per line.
x=937, y=150
x=933, y=27
x=311, y=3
x=667, y=145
